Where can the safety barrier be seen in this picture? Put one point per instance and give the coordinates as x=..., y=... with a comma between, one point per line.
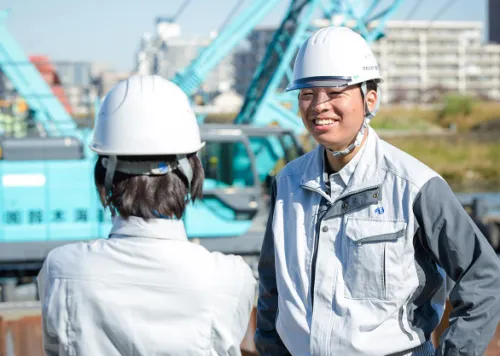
x=23, y=337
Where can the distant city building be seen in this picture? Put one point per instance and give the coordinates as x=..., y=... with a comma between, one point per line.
x=167, y=52
x=493, y=23
x=108, y=79
x=420, y=60
x=77, y=80
x=3, y=85
x=74, y=73
x=246, y=62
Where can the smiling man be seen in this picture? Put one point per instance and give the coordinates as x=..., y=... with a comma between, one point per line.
x=361, y=237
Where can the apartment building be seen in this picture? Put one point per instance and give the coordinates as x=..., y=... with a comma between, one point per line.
x=493, y=23
x=246, y=61
x=420, y=60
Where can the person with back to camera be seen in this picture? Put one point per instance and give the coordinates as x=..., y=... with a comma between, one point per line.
x=361, y=236
x=146, y=290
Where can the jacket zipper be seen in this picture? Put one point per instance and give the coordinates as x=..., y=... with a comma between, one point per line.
x=316, y=238
x=317, y=229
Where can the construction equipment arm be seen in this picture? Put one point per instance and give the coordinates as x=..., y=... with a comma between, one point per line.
x=191, y=77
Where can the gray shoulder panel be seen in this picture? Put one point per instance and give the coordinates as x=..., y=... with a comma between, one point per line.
x=266, y=338
x=406, y=166
x=459, y=247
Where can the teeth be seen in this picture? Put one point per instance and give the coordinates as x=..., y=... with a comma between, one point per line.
x=323, y=121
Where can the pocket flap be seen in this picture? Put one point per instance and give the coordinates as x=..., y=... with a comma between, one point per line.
x=366, y=230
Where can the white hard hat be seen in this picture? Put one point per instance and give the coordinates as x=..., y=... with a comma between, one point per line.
x=146, y=115
x=334, y=57
x=337, y=57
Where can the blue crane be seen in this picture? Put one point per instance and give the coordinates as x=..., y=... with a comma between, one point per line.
x=265, y=103
x=50, y=113
x=47, y=196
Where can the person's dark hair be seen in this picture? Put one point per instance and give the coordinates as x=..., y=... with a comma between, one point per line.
x=370, y=85
x=148, y=197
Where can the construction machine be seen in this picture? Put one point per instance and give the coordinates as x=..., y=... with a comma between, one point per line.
x=48, y=197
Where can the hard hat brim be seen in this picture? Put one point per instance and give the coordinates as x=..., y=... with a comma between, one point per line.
x=318, y=82
x=310, y=83
x=106, y=152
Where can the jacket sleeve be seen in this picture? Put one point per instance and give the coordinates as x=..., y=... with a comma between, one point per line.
x=463, y=252
x=50, y=342
x=267, y=340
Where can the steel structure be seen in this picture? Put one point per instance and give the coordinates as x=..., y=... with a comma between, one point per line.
x=48, y=197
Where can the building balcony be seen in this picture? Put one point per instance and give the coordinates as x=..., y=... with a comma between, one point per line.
x=442, y=47
x=403, y=71
x=396, y=86
x=483, y=84
x=442, y=71
x=433, y=60
x=484, y=60
x=404, y=60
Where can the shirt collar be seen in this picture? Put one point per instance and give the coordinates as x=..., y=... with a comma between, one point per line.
x=133, y=226
x=347, y=171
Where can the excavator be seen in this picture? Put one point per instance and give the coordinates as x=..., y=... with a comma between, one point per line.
x=48, y=197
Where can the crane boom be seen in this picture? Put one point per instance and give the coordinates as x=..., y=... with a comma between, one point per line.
x=31, y=86
x=265, y=102
x=264, y=99
x=192, y=76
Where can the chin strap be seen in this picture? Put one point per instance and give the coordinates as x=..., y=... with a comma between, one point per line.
x=366, y=122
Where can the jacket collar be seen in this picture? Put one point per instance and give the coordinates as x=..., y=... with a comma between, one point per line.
x=154, y=228
x=368, y=172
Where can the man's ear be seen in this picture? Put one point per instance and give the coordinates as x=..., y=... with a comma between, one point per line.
x=371, y=99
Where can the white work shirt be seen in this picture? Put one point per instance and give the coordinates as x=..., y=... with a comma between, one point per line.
x=146, y=290
x=338, y=181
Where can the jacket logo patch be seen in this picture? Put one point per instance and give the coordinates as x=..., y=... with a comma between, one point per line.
x=380, y=210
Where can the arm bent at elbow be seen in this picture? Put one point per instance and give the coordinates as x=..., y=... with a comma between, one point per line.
x=464, y=253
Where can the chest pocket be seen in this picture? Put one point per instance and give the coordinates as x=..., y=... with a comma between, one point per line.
x=373, y=267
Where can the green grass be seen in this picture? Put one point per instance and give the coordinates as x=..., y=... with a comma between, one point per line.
x=464, y=162
x=401, y=119
x=442, y=115
x=467, y=163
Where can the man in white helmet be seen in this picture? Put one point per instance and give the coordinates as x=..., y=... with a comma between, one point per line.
x=362, y=236
x=146, y=290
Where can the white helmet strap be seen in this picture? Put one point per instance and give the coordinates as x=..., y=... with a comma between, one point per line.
x=366, y=122
x=186, y=169
x=112, y=165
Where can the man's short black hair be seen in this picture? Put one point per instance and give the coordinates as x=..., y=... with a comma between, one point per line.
x=371, y=85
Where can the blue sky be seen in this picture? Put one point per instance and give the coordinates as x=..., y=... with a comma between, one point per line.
x=109, y=30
